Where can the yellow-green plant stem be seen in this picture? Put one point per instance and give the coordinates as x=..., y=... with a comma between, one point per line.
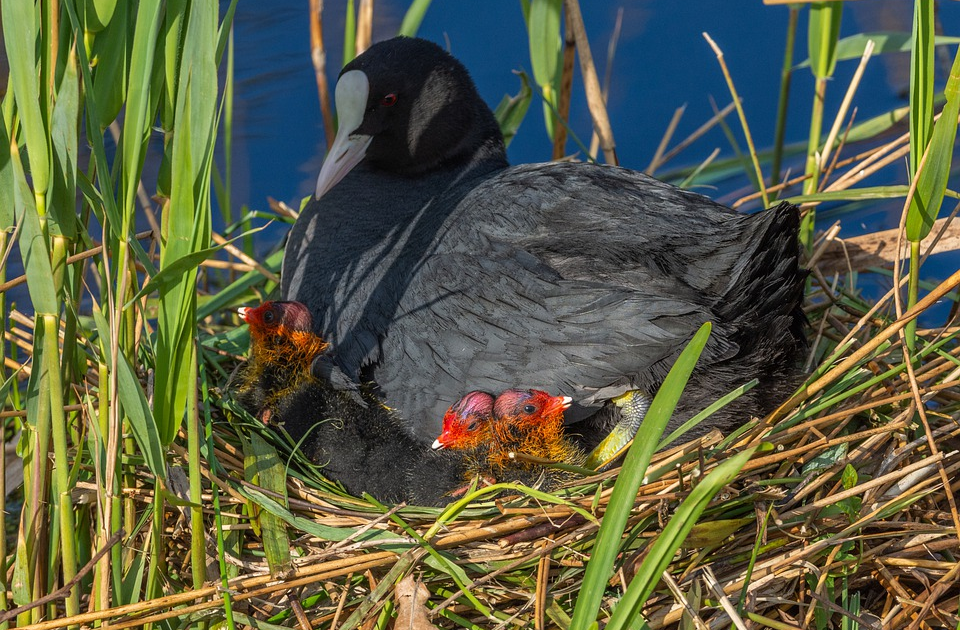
x=197, y=543
x=921, y=130
x=913, y=292
x=30, y=570
x=129, y=348
x=743, y=119
x=786, y=73
x=4, y=604
x=156, y=545
x=62, y=501
x=101, y=572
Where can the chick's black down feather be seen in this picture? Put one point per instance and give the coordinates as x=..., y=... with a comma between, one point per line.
x=365, y=449
x=434, y=267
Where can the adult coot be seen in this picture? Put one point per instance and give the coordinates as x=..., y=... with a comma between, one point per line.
x=434, y=267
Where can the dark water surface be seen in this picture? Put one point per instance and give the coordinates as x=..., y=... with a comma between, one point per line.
x=662, y=62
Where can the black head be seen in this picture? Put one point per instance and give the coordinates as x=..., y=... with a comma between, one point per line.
x=407, y=106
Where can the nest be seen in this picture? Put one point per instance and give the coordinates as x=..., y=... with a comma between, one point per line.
x=846, y=514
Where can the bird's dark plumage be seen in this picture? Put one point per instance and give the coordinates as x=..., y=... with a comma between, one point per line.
x=434, y=267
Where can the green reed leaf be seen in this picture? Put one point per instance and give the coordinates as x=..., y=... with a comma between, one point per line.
x=607, y=544
x=20, y=38
x=823, y=35
x=932, y=183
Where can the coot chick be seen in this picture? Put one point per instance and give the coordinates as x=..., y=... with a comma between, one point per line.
x=429, y=262
x=282, y=351
x=530, y=422
x=521, y=424
x=466, y=424
x=360, y=445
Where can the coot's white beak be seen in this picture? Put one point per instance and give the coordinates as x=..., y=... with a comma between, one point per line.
x=348, y=148
x=437, y=445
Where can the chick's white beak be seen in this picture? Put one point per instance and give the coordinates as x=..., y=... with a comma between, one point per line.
x=437, y=445
x=348, y=148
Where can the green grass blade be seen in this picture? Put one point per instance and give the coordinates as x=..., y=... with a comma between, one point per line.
x=543, y=28
x=6, y=174
x=854, y=194
x=720, y=403
x=786, y=74
x=270, y=474
x=822, y=37
x=873, y=127
x=19, y=36
x=350, y=33
x=884, y=42
x=111, y=51
x=91, y=109
x=33, y=245
x=188, y=224
x=627, y=610
x=414, y=17
x=96, y=13
x=512, y=109
x=226, y=27
x=600, y=567
x=824, y=34
x=168, y=277
x=173, y=25
x=932, y=183
x=64, y=138
x=136, y=123
x=921, y=80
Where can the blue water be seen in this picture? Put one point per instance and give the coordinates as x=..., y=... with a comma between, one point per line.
x=662, y=63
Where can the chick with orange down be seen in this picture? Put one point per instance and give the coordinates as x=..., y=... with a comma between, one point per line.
x=290, y=381
x=530, y=422
x=524, y=424
x=282, y=350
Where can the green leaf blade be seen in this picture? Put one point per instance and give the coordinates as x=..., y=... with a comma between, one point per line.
x=823, y=36
x=607, y=544
x=932, y=182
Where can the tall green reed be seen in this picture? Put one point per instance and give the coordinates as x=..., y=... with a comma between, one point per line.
x=931, y=145
x=75, y=67
x=823, y=35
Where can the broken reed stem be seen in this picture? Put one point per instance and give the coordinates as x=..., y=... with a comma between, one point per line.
x=364, y=25
x=697, y=134
x=598, y=111
x=743, y=119
x=240, y=255
x=845, y=104
x=566, y=89
x=657, y=158
x=318, y=55
x=608, y=72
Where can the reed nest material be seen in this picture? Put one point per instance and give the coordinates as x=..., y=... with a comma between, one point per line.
x=850, y=507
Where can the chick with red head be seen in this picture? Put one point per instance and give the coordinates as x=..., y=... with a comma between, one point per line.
x=292, y=381
x=282, y=350
x=510, y=437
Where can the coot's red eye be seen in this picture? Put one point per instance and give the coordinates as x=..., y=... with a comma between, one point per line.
x=389, y=100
